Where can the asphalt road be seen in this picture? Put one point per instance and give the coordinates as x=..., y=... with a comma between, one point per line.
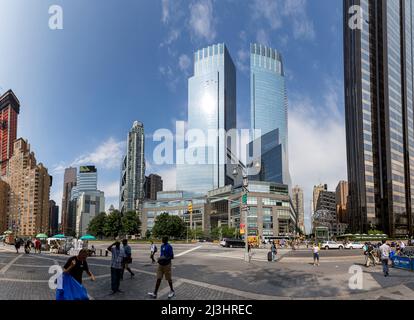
x=205, y=271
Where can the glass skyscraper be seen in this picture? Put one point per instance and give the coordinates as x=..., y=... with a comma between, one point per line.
x=269, y=111
x=211, y=106
x=133, y=170
x=379, y=116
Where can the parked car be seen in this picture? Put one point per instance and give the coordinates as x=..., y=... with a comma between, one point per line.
x=354, y=245
x=232, y=243
x=332, y=245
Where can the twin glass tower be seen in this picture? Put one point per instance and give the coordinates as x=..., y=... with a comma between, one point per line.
x=212, y=106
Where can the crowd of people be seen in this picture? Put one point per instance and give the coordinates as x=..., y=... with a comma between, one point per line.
x=28, y=245
x=121, y=260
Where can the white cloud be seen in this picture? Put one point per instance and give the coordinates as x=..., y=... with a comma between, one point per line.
x=279, y=12
x=242, y=60
x=263, y=37
x=165, y=11
x=317, y=143
x=111, y=189
x=184, y=62
x=270, y=10
x=173, y=35
x=108, y=155
x=202, y=24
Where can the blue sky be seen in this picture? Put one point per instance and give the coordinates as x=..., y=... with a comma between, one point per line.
x=117, y=61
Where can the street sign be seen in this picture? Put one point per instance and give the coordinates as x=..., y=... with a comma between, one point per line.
x=244, y=199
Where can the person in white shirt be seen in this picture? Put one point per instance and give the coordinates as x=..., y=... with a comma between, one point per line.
x=153, y=251
x=385, y=255
x=315, y=249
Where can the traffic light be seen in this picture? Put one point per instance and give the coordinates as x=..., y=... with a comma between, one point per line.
x=190, y=208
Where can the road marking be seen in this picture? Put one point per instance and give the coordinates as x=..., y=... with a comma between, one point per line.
x=188, y=251
x=7, y=266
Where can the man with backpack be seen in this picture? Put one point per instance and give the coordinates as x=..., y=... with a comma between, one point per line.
x=154, y=249
x=273, y=249
x=164, y=268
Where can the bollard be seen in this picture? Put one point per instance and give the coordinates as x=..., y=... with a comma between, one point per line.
x=106, y=253
x=100, y=252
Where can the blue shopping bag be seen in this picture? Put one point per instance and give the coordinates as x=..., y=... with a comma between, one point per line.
x=70, y=289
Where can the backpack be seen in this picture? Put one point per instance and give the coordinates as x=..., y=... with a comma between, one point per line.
x=155, y=249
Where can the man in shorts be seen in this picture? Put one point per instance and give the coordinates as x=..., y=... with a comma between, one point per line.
x=164, y=268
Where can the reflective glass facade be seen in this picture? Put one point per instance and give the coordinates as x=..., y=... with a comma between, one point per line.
x=269, y=110
x=211, y=106
x=379, y=116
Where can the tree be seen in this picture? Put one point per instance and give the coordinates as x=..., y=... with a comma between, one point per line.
x=147, y=234
x=228, y=232
x=113, y=224
x=97, y=225
x=171, y=226
x=130, y=223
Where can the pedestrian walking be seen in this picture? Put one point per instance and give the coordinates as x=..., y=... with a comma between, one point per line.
x=117, y=265
x=154, y=249
x=315, y=249
x=76, y=265
x=385, y=255
x=17, y=244
x=164, y=268
x=38, y=246
x=273, y=249
x=127, y=259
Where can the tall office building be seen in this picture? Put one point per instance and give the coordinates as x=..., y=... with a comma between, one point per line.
x=9, y=111
x=341, y=201
x=133, y=170
x=379, y=116
x=298, y=205
x=269, y=111
x=86, y=180
x=29, y=184
x=316, y=191
x=211, y=106
x=153, y=184
x=69, y=181
x=53, y=218
x=88, y=205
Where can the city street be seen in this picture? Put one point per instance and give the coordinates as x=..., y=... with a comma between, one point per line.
x=206, y=271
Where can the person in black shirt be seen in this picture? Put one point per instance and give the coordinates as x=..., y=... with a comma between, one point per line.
x=75, y=266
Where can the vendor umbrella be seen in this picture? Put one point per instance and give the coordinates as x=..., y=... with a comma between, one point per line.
x=41, y=236
x=88, y=237
x=59, y=236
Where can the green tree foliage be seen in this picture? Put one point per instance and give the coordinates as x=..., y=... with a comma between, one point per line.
x=171, y=226
x=130, y=223
x=97, y=225
x=224, y=232
x=113, y=224
x=148, y=234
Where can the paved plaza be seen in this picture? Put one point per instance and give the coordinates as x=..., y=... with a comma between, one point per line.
x=208, y=272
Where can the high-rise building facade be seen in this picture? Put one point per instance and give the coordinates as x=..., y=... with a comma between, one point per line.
x=211, y=106
x=4, y=205
x=29, y=184
x=341, y=201
x=316, y=191
x=69, y=181
x=9, y=111
x=88, y=205
x=133, y=170
x=298, y=205
x=53, y=218
x=153, y=184
x=379, y=116
x=269, y=110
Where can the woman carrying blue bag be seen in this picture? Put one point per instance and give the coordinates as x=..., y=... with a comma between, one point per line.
x=70, y=283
